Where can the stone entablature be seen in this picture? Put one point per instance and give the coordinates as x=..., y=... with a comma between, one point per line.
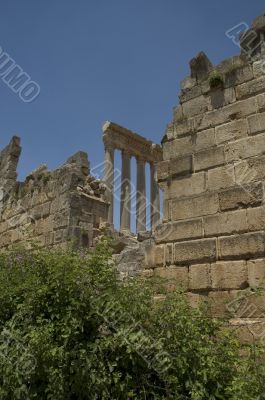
x=131, y=145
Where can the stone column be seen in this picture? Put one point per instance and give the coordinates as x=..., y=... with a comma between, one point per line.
x=125, y=211
x=141, y=196
x=155, y=200
x=109, y=179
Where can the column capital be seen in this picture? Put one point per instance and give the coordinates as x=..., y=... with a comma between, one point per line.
x=126, y=153
x=109, y=146
x=141, y=160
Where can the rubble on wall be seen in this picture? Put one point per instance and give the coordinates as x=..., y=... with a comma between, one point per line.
x=50, y=208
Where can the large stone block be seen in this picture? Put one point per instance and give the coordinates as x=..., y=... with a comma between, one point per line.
x=159, y=256
x=231, y=131
x=180, y=166
x=250, y=88
x=174, y=277
x=261, y=102
x=182, y=126
x=204, y=140
x=219, y=98
x=259, y=68
x=229, y=113
x=221, y=303
x=245, y=148
x=256, y=123
x=200, y=277
x=256, y=273
x=195, y=184
x=242, y=246
x=206, y=204
x=175, y=231
x=256, y=218
x=241, y=197
x=226, y=223
x=195, y=300
x=248, y=331
x=229, y=275
x=195, y=106
x=209, y=158
x=189, y=94
x=236, y=76
x=195, y=251
x=221, y=178
x=250, y=170
x=177, y=148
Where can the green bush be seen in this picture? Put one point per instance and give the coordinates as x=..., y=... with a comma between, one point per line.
x=70, y=329
x=215, y=80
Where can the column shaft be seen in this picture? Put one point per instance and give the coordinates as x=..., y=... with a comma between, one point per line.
x=155, y=200
x=125, y=211
x=141, y=197
x=109, y=180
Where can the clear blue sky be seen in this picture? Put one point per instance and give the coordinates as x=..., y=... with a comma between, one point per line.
x=120, y=60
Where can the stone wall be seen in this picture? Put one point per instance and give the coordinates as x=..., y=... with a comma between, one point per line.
x=51, y=208
x=212, y=238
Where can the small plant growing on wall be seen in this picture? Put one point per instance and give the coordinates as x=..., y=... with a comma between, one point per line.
x=215, y=80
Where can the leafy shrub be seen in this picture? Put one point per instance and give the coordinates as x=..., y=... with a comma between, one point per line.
x=215, y=80
x=70, y=329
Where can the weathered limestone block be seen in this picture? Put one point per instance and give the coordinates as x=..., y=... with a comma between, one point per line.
x=237, y=75
x=225, y=223
x=250, y=170
x=200, y=277
x=175, y=231
x=194, y=207
x=245, y=148
x=195, y=251
x=256, y=273
x=229, y=275
x=229, y=113
x=193, y=185
x=248, y=330
x=177, y=148
x=241, y=197
x=251, y=88
x=261, y=102
x=221, y=178
x=189, y=94
x=176, y=277
x=256, y=218
x=221, y=97
x=248, y=245
x=159, y=256
x=259, y=68
x=195, y=300
x=180, y=166
x=195, y=106
x=209, y=158
x=204, y=140
x=256, y=123
x=222, y=303
x=231, y=131
x=182, y=126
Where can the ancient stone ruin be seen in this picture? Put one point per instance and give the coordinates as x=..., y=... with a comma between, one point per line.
x=211, y=239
